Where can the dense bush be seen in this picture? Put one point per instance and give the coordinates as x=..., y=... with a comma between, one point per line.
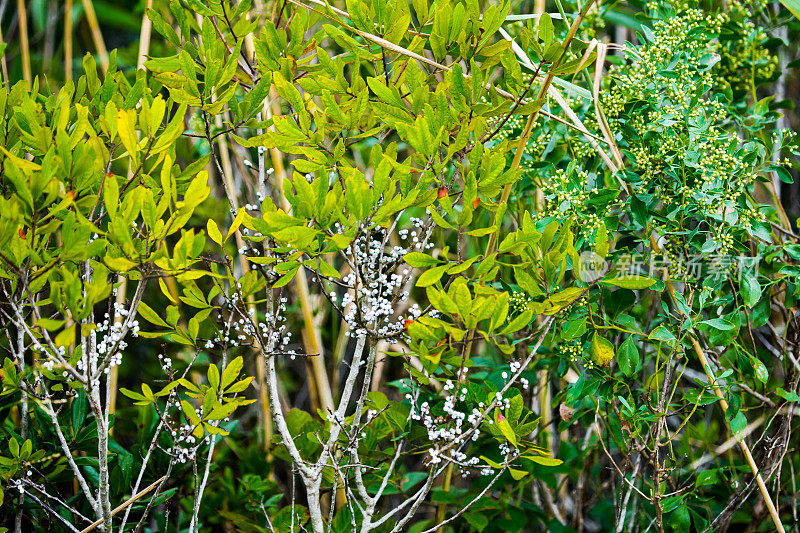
x=392, y=266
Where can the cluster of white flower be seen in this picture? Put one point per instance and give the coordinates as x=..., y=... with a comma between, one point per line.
x=166, y=363
x=115, y=360
x=272, y=331
x=113, y=333
x=183, y=448
x=506, y=450
x=449, y=430
x=17, y=484
x=452, y=429
x=377, y=284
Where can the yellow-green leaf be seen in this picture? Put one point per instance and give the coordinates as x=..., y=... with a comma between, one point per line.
x=126, y=123
x=630, y=282
x=213, y=231
x=151, y=316
x=546, y=461
x=236, y=223
x=602, y=350
x=22, y=164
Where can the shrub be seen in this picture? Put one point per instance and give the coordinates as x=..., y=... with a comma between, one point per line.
x=344, y=267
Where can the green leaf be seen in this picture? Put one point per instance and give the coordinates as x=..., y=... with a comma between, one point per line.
x=200, y=8
x=240, y=386
x=188, y=384
x=630, y=282
x=213, y=377
x=148, y=392
x=601, y=350
x=327, y=270
x=546, y=461
x=420, y=260
x=50, y=324
x=13, y=447
x=389, y=95
x=431, y=276
x=236, y=223
x=221, y=411
x=719, y=323
x=505, y=428
x=411, y=479
x=514, y=410
x=521, y=321
x=786, y=395
x=563, y=298
x=22, y=164
x=213, y=231
x=546, y=29
x=459, y=292
x=191, y=415
x=751, y=289
x=628, y=357
x=793, y=6
x=707, y=477
x=517, y=474
x=738, y=423
x=126, y=121
x=132, y=395
x=231, y=372
x=146, y=312
x=761, y=370
x=679, y=519
x=111, y=194
x=662, y=334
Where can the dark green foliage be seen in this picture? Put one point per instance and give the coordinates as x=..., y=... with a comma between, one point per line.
x=381, y=265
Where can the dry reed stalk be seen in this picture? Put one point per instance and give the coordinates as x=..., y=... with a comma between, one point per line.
x=3, y=64
x=762, y=487
x=22, y=14
x=97, y=35
x=68, y=40
x=144, y=48
x=144, y=36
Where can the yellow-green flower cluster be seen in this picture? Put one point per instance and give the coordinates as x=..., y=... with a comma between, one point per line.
x=519, y=301
x=746, y=59
x=567, y=194
x=672, y=40
x=571, y=350
x=680, y=137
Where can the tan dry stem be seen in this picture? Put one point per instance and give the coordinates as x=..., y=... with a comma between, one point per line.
x=762, y=487
x=68, y=40
x=97, y=35
x=22, y=14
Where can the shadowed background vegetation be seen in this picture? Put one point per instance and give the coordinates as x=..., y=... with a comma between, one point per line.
x=610, y=471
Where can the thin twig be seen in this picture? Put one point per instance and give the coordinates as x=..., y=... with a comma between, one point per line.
x=132, y=500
